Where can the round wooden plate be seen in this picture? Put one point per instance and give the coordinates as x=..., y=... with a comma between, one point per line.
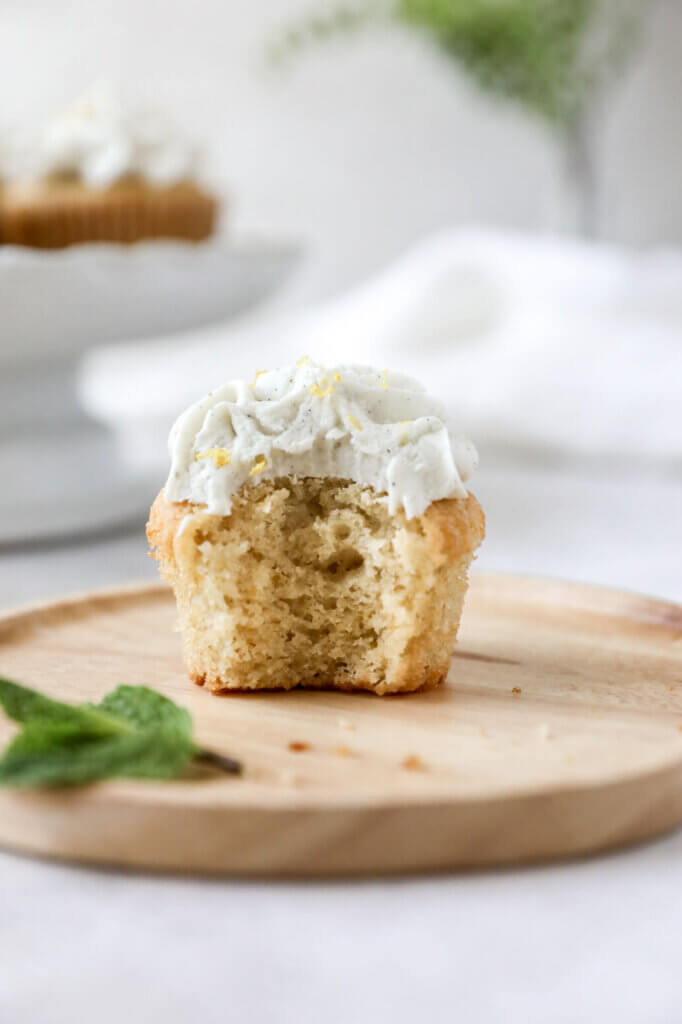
x=558, y=733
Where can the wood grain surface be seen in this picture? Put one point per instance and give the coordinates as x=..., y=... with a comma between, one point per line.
x=559, y=732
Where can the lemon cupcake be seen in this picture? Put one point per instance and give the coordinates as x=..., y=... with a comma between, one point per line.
x=317, y=532
x=106, y=171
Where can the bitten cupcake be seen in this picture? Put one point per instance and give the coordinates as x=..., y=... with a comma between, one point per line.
x=106, y=171
x=317, y=532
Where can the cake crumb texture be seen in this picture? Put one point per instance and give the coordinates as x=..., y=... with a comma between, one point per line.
x=312, y=583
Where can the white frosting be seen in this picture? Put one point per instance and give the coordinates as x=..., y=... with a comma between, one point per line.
x=102, y=139
x=376, y=428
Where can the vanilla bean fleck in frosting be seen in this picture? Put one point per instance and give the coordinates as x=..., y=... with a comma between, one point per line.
x=376, y=428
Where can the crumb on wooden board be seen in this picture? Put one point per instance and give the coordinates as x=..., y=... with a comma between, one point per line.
x=298, y=746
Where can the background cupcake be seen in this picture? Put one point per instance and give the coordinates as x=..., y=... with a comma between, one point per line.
x=106, y=170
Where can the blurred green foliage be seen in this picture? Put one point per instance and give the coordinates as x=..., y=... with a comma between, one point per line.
x=526, y=49
x=549, y=55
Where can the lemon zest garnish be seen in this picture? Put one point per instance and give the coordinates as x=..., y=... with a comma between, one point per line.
x=404, y=439
x=255, y=379
x=354, y=422
x=384, y=381
x=221, y=456
x=302, y=361
x=337, y=375
x=321, y=390
x=258, y=466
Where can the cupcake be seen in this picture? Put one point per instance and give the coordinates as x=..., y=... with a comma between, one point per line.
x=106, y=171
x=316, y=531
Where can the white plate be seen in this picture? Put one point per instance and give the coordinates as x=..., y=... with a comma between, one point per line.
x=58, y=303
x=65, y=473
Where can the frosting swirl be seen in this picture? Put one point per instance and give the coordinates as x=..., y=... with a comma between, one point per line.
x=376, y=428
x=101, y=139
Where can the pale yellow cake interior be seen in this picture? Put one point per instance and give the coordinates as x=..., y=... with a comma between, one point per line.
x=312, y=582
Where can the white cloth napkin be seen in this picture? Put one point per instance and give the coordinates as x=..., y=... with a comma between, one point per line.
x=537, y=344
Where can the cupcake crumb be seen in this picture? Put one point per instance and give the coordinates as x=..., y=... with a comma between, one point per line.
x=516, y=690
x=343, y=751
x=298, y=746
x=413, y=763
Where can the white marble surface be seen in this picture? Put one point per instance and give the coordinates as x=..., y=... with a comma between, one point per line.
x=597, y=940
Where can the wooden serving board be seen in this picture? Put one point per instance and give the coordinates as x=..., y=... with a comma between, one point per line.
x=559, y=732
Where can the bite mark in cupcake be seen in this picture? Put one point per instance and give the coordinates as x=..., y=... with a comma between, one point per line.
x=332, y=548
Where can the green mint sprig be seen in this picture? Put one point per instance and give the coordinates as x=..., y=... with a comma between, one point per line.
x=135, y=733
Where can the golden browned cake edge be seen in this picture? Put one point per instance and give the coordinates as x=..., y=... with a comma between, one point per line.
x=54, y=215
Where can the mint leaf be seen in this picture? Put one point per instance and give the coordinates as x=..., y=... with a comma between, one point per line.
x=145, y=708
x=134, y=733
x=38, y=737
x=25, y=705
x=149, y=754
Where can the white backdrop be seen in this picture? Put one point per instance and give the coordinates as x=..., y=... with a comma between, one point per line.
x=361, y=146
